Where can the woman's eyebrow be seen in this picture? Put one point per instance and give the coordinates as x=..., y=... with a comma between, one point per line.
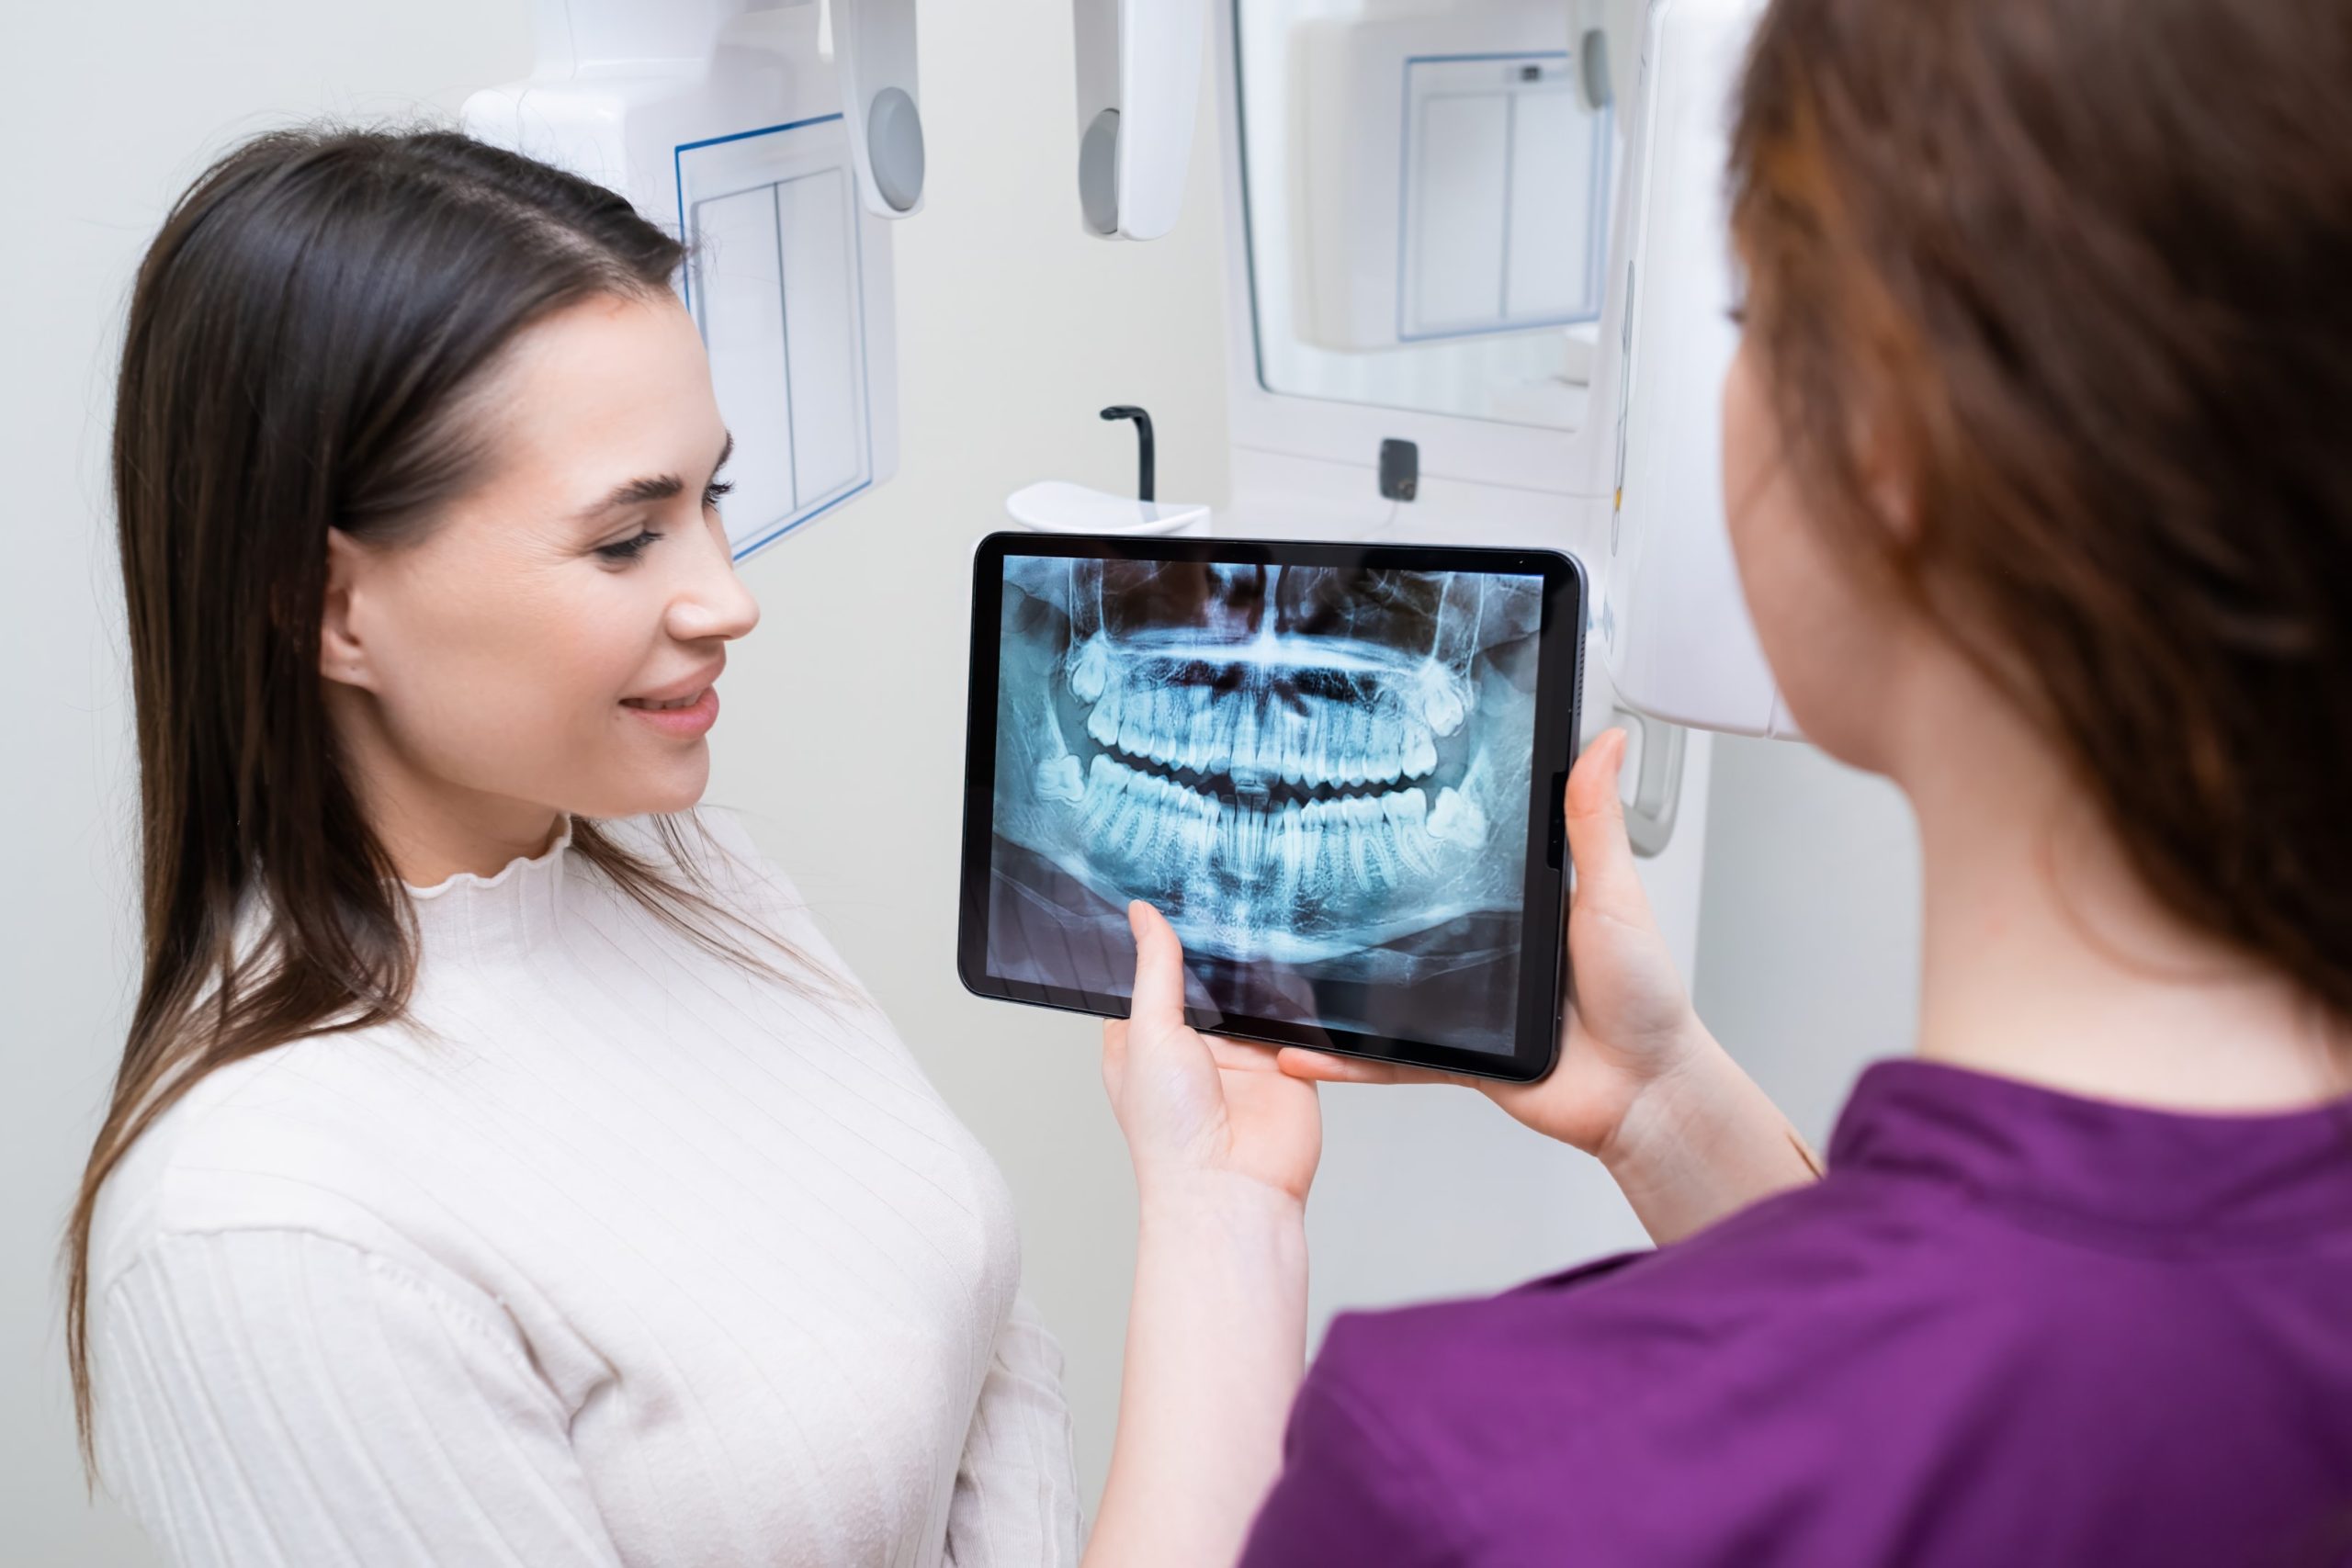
x=638, y=492
x=651, y=487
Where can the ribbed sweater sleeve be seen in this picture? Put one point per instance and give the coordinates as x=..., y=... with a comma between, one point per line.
x=1016, y=1490
x=277, y=1397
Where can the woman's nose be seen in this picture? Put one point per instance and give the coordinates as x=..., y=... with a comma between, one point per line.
x=713, y=603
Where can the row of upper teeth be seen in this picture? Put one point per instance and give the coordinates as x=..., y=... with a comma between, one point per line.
x=1141, y=815
x=1304, y=739
x=663, y=707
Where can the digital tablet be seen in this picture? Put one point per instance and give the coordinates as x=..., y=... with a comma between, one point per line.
x=1336, y=770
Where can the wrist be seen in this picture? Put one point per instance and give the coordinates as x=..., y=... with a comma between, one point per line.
x=1704, y=1106
x=1701, y=1142
x=1662, y=1112
x=1190, y=1200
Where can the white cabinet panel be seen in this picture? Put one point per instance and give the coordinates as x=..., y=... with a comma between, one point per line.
x=1458, y=185
x=742, y=319
x=1548, y=268
x=814, y=216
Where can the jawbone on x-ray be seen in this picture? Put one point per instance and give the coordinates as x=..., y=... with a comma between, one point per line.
x=1319, y=775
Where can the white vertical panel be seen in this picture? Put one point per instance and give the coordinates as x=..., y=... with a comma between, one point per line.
x=1549, y=261
x=1456, y=199
x=738, y=300
x=820, y=337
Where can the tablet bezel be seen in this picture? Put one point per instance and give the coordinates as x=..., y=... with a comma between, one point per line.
x=1558, y=697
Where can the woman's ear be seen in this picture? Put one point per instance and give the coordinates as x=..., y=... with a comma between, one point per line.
x=343, y=658
x=1890, y=429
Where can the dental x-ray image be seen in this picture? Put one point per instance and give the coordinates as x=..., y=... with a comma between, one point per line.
x=1319, y=774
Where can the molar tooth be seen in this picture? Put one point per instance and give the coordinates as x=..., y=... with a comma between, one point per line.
x=1384, y=755
x=1407, y=810
x=1312, y=818
x=1445, y=698
x=1107, y=783
x=1357, y=842
x=1455, y=818
x=1376, y=854
x=1200, y=834
x=1060, y=781
x=1090, y=667
x=1351, y=762
x=1134, y=733
x=1157, y=729
x=1420, y=752
x=1123, y=821
x=1103, y=722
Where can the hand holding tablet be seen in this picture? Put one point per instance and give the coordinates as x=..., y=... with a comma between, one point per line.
x=1334, y=769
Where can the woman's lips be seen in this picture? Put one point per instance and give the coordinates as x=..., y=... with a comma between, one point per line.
x=682, y=723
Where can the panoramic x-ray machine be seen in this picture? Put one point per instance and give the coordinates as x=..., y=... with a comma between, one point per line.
x=1476, y=248
x=1478, y=269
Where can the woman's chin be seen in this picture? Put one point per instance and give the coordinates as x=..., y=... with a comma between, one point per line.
x=676, y=786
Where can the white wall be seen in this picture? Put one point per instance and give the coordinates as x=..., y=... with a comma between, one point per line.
x=844, y=732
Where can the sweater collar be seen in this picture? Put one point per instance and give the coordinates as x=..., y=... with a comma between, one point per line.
x=2127, y=1171
x=502, y=916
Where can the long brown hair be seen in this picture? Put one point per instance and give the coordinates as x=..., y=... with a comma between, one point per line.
x=2086, y=265
x=305, y=337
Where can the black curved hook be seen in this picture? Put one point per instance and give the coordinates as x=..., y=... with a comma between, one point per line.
x=1146, y=489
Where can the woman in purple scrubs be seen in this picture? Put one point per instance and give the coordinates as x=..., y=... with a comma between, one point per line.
x=2038, y=461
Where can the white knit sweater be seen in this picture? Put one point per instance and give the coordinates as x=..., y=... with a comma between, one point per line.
x=636, y=1258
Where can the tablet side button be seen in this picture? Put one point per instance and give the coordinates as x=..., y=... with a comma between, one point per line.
x=1556, y=844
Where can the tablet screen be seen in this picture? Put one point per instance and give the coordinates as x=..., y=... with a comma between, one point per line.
x=1322, y=771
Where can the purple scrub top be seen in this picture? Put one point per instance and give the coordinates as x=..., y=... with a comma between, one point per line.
x=2010, y=1328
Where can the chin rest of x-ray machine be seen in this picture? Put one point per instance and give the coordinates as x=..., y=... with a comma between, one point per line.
x=782, y=138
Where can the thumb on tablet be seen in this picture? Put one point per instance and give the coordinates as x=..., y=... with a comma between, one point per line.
x=1158, y=1000
x=1606, y=882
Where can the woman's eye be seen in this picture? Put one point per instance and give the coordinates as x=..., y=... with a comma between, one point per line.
x=712, y=491
x=628, y=550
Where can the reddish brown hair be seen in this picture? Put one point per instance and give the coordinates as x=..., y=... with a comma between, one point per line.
x=2086, y=266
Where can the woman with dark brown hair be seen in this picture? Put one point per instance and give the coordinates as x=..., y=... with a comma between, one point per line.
x=500, y=1167
x=2038, y=461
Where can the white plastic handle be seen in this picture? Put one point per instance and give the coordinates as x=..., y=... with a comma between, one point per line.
x=1139, y=86
x=1658, y=783
x=872, y=50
